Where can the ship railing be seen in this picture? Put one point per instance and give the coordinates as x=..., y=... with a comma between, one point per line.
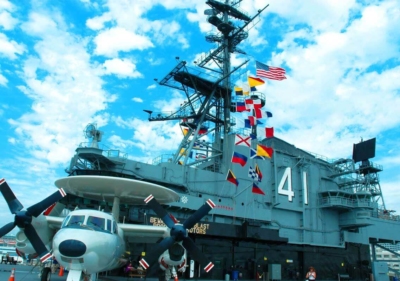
x=322, y=157
x=89, y=145
x=113, y=153
x=370, y=164
x=346, y=202
x=167, y=115
x=164, y=158
x=106, y=151
x=207, y=75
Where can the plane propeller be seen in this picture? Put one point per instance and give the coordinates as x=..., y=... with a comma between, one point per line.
x=23, y=218
x=178, y=234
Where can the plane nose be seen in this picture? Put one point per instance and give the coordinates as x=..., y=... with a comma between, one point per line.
x=72, y=248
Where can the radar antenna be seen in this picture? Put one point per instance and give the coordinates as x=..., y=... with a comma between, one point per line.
x=91, y=132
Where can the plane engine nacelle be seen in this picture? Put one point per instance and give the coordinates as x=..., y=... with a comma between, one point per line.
x=175, y=256
x=24, y=246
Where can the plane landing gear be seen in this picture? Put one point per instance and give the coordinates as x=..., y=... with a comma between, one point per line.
x=45, y=274
x=78, y=275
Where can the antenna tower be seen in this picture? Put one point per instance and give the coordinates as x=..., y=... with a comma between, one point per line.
x=205, y=117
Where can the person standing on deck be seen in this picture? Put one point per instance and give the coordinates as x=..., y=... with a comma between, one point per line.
x=311, y=274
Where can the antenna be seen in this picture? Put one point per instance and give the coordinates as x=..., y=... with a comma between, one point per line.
x=91, y=132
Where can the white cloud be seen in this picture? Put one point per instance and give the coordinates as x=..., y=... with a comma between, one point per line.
x=6, y=19
x=3, y=80
x=329, y=93
x=122, y=68
x=330, y=15
x=12, y=140
x=155, y=136
x=127, y=34
x=10, y=48
x=65, y=97
x=114, y=40
x=97, y=23
x=149, y=136
x=199, y=17
x=38, y=24
x=390, y=191
x=153, y=86
x=170, y=105
x=136, y=99
x=168, y=32
x=119, y=143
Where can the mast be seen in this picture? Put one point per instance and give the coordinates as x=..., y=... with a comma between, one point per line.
x=205, y=117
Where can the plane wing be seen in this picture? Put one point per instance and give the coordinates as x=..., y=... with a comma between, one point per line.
x=143, y=233
x=54, y=222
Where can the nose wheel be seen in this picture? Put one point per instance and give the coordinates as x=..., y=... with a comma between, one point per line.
x=45, y=274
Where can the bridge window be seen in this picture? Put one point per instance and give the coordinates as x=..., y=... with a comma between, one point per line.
x=97, y=222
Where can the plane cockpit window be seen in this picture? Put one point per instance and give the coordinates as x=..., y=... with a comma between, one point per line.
x=109, y=226
x=115, y=227
x=65, y=221
x=75, y=220
x=96, y=222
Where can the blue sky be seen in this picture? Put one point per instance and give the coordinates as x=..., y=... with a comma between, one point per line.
x=64, y=64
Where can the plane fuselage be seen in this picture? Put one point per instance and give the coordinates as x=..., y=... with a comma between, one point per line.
x=89, y=241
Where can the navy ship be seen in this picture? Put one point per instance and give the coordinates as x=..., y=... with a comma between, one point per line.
x=279, y=209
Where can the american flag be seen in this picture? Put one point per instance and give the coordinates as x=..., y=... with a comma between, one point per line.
x=270, y=72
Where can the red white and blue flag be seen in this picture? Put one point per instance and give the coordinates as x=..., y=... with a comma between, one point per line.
x=241, y=106
x=270, y=72
x=239, y=158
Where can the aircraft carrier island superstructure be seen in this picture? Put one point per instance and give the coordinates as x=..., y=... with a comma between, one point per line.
x=310, y=211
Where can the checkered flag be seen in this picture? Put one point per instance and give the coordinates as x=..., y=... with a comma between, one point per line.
x=253, y=174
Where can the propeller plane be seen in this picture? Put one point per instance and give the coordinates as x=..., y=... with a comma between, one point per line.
x=87, y=242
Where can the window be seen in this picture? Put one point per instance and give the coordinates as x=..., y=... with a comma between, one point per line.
x=75, y=220
x=115, y=228
x=98, y=223
x=65, y=221
x=109, y=226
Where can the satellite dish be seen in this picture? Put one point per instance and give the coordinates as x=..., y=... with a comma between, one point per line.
x=91, y=132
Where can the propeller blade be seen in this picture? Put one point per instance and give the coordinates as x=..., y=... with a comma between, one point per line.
x=159, y=210
x=12, y=201
x=36, y=242
x=38, y=208
x=197, y=255
x=7, y=228
x=199, y=214
x=156, y=252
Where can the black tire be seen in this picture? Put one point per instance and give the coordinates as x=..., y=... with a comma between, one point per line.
x=46, y=274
